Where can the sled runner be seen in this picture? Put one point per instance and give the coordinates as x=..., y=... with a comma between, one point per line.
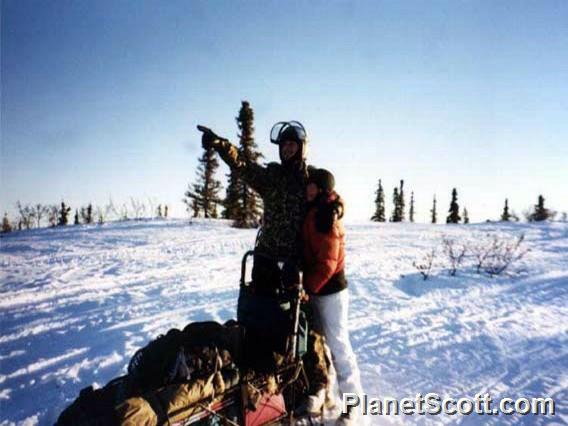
x=247, y=372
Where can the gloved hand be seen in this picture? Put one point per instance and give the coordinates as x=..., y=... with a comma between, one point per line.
x=209, y=139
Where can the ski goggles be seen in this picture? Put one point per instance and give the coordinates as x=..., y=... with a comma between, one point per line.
x=283, y=127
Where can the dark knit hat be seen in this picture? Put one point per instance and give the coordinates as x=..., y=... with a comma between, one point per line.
x=323, y=179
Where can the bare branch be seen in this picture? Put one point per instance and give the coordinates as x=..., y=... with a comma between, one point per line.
x=425, y=266
x=455, y=255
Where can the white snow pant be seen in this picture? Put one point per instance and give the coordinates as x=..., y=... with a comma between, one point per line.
x=331, y=315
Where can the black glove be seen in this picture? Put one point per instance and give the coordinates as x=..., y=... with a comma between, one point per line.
x=209, y=139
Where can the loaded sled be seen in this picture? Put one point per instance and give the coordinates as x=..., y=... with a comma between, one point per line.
x=247, y=372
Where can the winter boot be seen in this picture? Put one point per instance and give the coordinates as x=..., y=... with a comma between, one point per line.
x=313, y=404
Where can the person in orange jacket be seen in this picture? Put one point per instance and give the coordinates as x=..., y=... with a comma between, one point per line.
x=324, y=279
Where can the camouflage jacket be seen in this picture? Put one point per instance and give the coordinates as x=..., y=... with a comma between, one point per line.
x=283, y=193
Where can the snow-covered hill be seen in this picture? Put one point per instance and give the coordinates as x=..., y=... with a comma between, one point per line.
x=76, y=302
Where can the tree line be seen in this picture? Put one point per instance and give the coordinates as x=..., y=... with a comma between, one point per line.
x=240, y=204
x=536, y=213
x=52, y=215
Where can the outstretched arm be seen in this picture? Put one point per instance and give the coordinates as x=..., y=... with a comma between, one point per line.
x=251, y=172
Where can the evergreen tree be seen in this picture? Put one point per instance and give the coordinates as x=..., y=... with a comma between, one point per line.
x=166, y=210
x=401, y=203
x=379, y=215
x=411, y=212
x=250, y=203
x=195, y=207
x=159, y=212
x=395, y=217
x=63, y=215
x=433, y=211
x=203, y=196
x=76, y=218
x=231, y=201
x=465, y=216
x=506, y=216
x=87, y=214
x=6, y=225
x=454, y=216
x=540, y=212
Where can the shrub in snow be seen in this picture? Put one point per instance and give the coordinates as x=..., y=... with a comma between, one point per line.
x=425, y=265
x=502, y=254
x=454, y=254
x=494, y=256
x=52, y=215
x=101, y=215
x=6, y=225
x=138, y=209
x=26, y=216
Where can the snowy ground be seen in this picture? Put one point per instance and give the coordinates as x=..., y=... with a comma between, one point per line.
x=75, y=303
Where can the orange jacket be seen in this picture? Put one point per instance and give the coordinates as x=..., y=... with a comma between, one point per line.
x=324, y=254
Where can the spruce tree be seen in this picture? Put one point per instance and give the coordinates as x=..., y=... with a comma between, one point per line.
x=540, y=212
x=250, y=203
x=231, y=201
x=87, y=214
x=411, y=211
x=454, y=216
x=195, y=207
x=433, y=211
x=465, y=216
x=506, y=216
x=166, y=211
x=395, y=211
x=159, y=211
x=379, y=215
x=76, y=218
x=401, y=203
x=63, y=215
x=203, y=196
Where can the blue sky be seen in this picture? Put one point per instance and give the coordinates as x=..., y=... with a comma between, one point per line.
x=100, y=99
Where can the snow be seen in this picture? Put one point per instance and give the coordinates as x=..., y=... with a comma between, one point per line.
x=76, y=303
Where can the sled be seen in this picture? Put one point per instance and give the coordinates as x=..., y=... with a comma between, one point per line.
x=255, y=311
x=259, y=400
